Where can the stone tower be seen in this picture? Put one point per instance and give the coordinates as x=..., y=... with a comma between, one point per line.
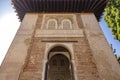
x=59, y=40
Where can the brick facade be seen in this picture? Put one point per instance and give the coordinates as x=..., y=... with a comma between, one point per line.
x=85, y=63
x=89, y=51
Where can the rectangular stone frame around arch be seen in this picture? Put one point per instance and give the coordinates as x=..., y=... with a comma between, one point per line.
x=49, y=46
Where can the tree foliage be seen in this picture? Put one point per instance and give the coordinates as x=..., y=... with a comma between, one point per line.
x=118, y=58
x=112, y=17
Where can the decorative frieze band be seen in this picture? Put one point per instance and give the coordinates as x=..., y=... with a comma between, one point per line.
x=59, y=33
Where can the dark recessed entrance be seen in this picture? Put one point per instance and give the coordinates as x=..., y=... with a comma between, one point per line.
x=59, y=65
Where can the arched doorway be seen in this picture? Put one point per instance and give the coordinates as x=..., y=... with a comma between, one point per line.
x=59, y=65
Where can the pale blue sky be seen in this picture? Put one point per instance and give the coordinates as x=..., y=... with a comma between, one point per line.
x=109, y=36
x=9, y=25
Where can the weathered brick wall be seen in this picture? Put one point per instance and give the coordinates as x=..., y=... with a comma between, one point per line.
x=33, y=67
x=86, y=68
x=26, y=59
x=84, y=62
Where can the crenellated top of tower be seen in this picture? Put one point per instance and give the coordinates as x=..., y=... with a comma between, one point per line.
x=49, y=6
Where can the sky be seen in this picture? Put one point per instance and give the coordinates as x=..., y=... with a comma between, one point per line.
x=9, y=24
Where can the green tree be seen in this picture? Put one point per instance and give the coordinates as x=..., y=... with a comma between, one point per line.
x=114, y=51
x=118, y=58
x=112, y=17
